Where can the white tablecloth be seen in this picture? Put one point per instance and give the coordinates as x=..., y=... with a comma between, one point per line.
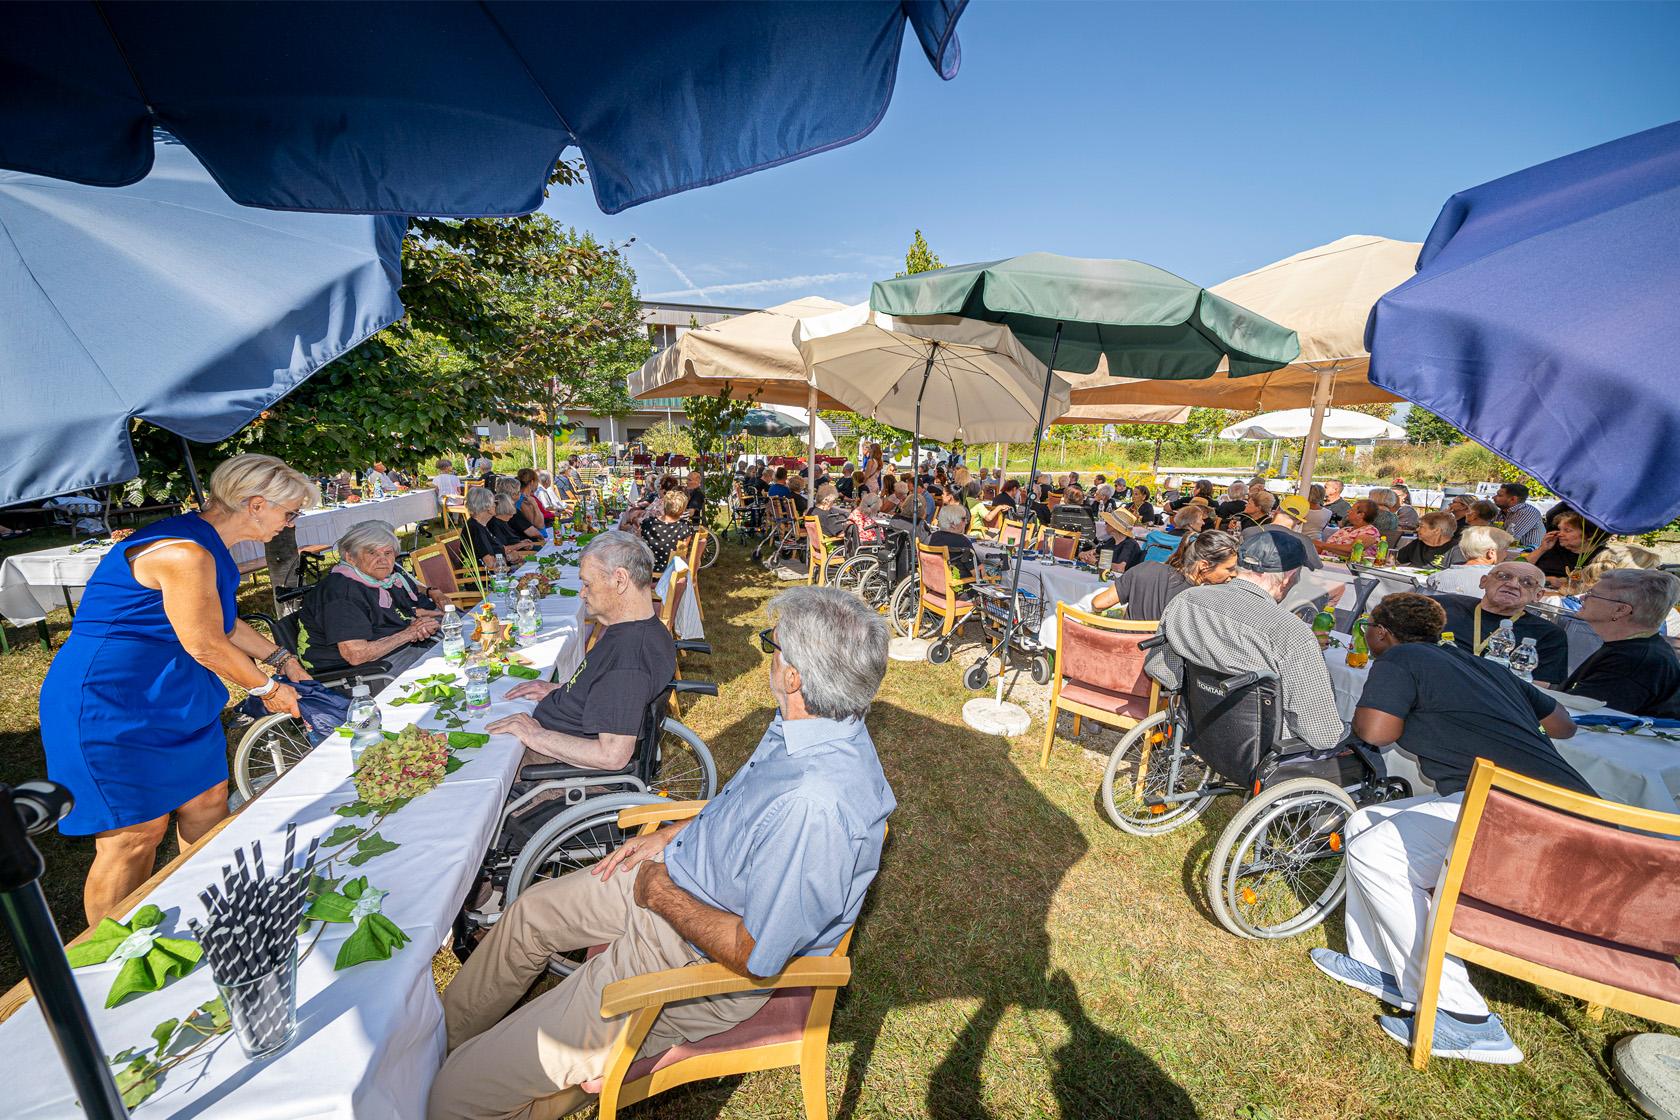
x=33, y=583
x=325, y=526
x=370, y=1039
x=1632, y=769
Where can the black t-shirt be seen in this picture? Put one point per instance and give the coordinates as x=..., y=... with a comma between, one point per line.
x=1145, y=513
x=1549, y=640
x=505, y=532
x=609, y=694
x=1416, y=554
x=1127, y=552
x=962, y=550
x=1557, y=561
x=1230, y=507
x=697, y=503
x=484, y=540
x=1459, y=708
x=844, y=487
x=1639, y=676
x=338, y=609
x=1145, y=589
x=518, y=524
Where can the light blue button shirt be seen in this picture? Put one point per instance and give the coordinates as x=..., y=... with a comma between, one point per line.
x=793, y=841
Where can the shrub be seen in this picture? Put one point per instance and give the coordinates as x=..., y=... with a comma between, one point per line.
x=1471, y=462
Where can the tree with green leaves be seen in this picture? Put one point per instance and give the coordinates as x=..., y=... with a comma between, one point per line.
x=711, y=422
x=920, y=258
x=1423, y=426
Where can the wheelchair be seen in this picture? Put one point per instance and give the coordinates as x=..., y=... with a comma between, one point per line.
x=1276, y=868
x=870, y=571
x=783, y=542
x=560, y=818
x=274, y=743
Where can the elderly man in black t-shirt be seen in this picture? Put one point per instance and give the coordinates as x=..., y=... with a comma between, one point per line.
x=1635, y=670
x=1447, y=708
x=1507, y=591
x=593, y=719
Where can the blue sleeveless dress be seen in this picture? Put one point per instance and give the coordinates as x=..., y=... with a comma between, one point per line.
x=132, y=725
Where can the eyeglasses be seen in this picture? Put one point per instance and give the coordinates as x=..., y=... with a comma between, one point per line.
x=1606, y=598
x=767, y=640
x=1527, y=583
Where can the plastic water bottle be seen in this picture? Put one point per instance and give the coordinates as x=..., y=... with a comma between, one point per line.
x=454, y=643
x=1525, y=659
x=1357, y=556
x=1382, y=551
x=478, y=686
x=528, y=617
x=499, y=577
x=378, y=487
x=1501, y=644
x=365, y=730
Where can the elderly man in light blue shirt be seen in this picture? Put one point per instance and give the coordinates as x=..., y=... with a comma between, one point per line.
x=775, y=866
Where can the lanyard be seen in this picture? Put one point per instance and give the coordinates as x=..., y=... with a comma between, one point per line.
x=1477, y=644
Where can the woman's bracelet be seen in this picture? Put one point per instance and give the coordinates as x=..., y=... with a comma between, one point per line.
x=264, y=689
x=277, y=658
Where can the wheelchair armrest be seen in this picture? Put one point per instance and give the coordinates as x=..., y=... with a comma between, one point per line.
x=552, y=771
x=693, y=645
x=704, y=688
x=366, y=669
x=287, y=594
x=1152, y=641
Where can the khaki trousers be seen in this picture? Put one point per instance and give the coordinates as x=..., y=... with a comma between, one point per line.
x=529, y=1065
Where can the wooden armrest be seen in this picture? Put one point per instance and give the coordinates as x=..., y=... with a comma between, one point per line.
x=711, y=979
x=658, y=813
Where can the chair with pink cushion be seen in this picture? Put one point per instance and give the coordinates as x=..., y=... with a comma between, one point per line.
x=791, y=1029
x=1562, y=890
x=1099, y=673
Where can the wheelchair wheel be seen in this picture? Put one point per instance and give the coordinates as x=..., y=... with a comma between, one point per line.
x=902, y=608
x=270, y=746
x=685, y=770
x=709, y=556
x=1124, y=790
x=850, y=575
x=579, y=837
x=1277, y=868
x=939, y=652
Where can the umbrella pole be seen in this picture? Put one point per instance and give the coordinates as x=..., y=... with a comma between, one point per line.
x=192, y=471
x=916, y=462
x=811, y=442
x=1315, y=432
x=1027, y=517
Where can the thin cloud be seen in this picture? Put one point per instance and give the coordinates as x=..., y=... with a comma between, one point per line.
x=807, y=281
x=693, y=288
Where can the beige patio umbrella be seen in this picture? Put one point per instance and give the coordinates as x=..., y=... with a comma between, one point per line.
x=1085, y=412
x=1325, y=295
x=753, y=355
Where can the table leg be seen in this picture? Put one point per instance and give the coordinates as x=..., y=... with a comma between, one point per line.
x=45, y=635
x=68, y=605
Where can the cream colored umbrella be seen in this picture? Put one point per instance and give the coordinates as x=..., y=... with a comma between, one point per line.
x=1325, y=295
x=1088, y=413
x=753, y=355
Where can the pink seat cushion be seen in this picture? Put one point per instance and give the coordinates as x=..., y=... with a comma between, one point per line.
x=781, y=1019
x=1117, y=703
x=1608, y=962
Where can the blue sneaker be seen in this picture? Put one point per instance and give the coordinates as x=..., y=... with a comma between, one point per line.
x=1486, y=1041
x=1372, y=981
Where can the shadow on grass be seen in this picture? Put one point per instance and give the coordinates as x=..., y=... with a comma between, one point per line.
x=977, y=854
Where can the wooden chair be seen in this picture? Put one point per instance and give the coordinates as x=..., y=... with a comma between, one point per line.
x=434, y=568
x=940, y=589
x=695, y=552
x=1545, y=885
x=1099, y=673
x=822, y=552
x=1064, y=543
x=791, y=1029
x=1015, y=532
x=1053, y=500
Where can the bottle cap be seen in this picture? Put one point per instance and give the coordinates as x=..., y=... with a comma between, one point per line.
x=360, y=690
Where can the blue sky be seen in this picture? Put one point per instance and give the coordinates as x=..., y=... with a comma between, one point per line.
x=1205, y=138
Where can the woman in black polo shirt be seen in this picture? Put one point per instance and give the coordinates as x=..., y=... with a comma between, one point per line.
x=366, y=608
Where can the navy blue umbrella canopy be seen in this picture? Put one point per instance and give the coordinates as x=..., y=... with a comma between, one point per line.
x=165, y=301
x=448, y=108
x=1544, y=321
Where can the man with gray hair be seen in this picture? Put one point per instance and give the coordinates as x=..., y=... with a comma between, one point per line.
x=593, y=719
x=775, y=866
x=1635, y=670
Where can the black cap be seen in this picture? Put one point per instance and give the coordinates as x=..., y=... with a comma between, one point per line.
x=1272, y=550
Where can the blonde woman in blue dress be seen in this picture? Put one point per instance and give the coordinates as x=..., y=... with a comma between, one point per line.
x=131, y=710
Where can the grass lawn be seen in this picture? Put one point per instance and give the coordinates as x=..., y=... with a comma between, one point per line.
x=1020, y=958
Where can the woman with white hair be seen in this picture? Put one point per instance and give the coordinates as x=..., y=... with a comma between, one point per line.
x=131, y=710
x=949, y=522
x=366, y=608
x=484, y=538
x=520, y=526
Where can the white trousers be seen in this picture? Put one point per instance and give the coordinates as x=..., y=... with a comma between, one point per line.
x=1396, y=856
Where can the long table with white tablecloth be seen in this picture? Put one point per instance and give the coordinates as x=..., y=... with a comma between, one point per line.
x=370, y=1038
x=324, y=526
x=1634, y=769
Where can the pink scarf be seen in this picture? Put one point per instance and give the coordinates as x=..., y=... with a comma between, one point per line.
x=397, y=578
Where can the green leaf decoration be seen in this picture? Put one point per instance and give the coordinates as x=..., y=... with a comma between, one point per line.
x=467, y=740
x=523, y=672
x=216, y=1011
x=370, y=846
x=343, y=834
x=330, y=906
x=354, y=809
x=163, y=1032
x=567, y=592
x=136, y=1082
x=164, y=959
x=375, y=939
x=452, y=765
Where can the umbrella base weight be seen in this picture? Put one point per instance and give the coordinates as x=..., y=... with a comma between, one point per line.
x=908, y=649
x=1648, y=1068
x=996, y=717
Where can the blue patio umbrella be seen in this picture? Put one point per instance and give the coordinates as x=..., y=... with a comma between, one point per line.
x=165, y=301
x=1544, y=321
x=450, y=108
